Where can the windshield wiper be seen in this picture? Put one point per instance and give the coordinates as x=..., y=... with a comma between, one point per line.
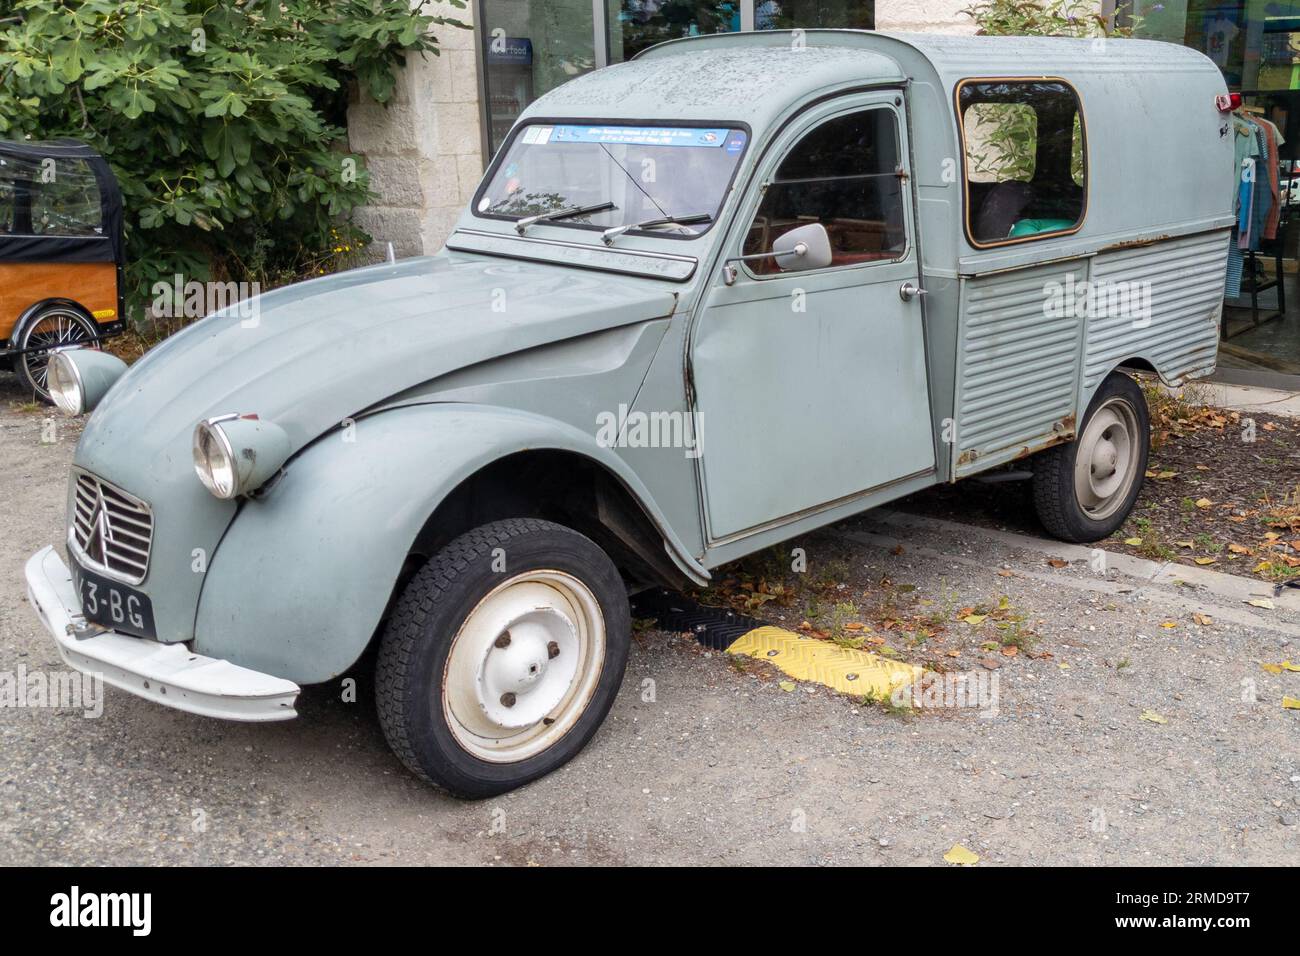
x=609, y=235
x=565, y=213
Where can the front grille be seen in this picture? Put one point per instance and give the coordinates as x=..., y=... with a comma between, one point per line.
x=111, y=530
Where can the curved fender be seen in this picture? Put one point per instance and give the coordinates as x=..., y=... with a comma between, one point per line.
x=298, y=584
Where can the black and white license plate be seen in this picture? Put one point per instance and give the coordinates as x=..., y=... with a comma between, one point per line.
x=113, y=605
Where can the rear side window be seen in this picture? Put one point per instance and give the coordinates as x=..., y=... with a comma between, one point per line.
x=1025, y=159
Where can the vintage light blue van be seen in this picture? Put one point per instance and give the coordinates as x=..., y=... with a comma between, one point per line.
x=702, y=302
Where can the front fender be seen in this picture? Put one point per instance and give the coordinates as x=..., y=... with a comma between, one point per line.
x=300, y=581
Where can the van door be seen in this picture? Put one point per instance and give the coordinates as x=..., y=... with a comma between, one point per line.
x=810, y=387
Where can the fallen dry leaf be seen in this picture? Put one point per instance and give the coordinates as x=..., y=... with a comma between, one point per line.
x=1205, y=561
x=975, y=619
x=787, y=685
x=1010, y=651
x=1238, y=549
x=1265, y=603
x=1290, y=703
x=1168, y=623
x=1153, y=717
x=1133, y=542
x=961, y=856
x=1202, y=619
x=1058, y=563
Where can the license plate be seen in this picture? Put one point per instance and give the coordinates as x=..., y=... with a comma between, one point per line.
x=113, y=605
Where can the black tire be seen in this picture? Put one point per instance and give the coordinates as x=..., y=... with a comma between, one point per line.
x=56, y=326
x=1056, y=497
x=412, y=666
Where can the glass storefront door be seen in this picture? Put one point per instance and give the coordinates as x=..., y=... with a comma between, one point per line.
x=527, y=48
x=1256, y=44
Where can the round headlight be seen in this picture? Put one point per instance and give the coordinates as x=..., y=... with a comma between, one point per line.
x=237, y=454
x=214, y=461
x=64, y=384
x=78, y=378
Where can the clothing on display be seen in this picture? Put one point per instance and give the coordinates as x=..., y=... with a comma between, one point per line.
x=1256, y=192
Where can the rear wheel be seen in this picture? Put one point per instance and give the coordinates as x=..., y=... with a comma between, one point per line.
x=502, y=656
x=1084, y=490
x=53, y=327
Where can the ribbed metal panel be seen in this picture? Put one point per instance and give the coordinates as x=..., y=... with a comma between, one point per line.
x=1016, y=365
x=1186, y=279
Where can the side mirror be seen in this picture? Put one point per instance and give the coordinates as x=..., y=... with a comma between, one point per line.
x=801, y=249
x=808, y=247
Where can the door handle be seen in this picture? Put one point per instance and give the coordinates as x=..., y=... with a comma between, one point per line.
x=909, y=291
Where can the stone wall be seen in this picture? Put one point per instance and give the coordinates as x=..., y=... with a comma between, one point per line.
x=423, y=149
x=924, y=16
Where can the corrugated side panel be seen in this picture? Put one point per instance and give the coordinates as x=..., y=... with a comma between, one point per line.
x=1181, y=336
x=1017, y=364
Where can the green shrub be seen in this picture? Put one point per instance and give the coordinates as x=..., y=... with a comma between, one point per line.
x=223, y=119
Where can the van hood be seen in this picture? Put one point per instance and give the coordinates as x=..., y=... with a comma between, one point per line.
x=310, y=355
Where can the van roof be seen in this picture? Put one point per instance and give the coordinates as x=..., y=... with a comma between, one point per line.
x=755, y=77
x=1146, y=105
x=698, y=81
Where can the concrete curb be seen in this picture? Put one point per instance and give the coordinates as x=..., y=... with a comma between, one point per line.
x=1220, y=595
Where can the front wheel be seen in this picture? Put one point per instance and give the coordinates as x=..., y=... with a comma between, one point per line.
x=52, y=328
x=502, y=656
x=1084, y=490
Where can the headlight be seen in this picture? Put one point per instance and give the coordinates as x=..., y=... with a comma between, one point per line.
x=236, y=454
x=78, y=378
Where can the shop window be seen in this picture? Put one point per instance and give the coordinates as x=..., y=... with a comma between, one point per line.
x=845, y=175
x=810, y=14
x=635, y=25
x=529, y=48
x=1025, y=159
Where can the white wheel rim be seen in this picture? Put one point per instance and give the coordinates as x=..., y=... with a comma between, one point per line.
x=1106, y=463
x=523, y=666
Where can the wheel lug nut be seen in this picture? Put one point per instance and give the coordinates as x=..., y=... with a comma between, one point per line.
x=508, y=699
x=552, y=650
x=503, y=640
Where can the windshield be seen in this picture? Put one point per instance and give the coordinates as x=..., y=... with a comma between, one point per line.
x=629, y=176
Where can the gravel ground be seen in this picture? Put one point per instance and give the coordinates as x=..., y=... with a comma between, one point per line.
x=703, y=762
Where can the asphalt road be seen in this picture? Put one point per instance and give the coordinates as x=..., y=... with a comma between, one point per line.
x=701, y=762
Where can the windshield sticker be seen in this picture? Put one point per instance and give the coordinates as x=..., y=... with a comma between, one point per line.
x=639, y=136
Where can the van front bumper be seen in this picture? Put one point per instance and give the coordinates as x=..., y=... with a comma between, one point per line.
x=167, y=674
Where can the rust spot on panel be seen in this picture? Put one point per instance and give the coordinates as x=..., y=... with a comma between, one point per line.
x=1135, y=243
x=966, y=457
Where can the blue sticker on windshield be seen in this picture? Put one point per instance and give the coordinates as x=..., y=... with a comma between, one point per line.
x=646, y=136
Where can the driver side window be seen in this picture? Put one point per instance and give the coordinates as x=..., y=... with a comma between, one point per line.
x=843, y=174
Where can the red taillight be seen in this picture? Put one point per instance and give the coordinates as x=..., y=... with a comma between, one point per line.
x=1227, y=102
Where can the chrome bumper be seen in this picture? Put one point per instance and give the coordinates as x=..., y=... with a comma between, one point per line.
x=167, y=674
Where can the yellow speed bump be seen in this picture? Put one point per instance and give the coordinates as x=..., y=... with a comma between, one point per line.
x=843, y=669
